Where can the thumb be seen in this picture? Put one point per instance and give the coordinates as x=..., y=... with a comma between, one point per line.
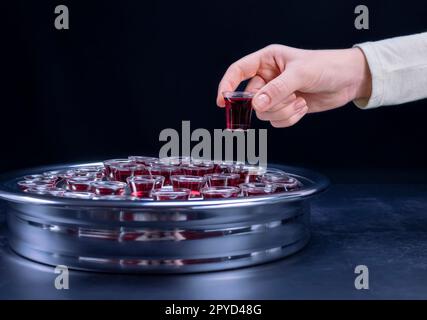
x=277, y=90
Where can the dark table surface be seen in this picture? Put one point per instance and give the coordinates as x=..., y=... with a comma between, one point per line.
x=382, y=226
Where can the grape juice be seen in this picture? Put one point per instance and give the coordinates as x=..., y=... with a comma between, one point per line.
x=238, y=112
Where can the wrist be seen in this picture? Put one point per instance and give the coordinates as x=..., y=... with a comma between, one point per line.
x=362, y=75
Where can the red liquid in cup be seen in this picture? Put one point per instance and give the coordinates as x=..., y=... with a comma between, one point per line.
x=142, y=186
x=244, y=175
x=238, y=169
x=123, y=171
x=223, y=179
x=194, y=183
x=188, y=179
x=80, y=184
x=217, y=168
x=114, y=162
x=106, y=188
x=252, y=174
x=238, y=110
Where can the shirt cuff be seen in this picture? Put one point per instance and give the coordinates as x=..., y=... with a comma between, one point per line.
x=375, y=66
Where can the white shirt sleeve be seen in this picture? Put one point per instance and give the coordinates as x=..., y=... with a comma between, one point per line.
x=399, y=70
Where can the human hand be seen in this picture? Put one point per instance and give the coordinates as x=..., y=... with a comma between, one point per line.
x=291, y=82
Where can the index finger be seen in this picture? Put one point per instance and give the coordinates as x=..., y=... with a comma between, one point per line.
x=241, y=70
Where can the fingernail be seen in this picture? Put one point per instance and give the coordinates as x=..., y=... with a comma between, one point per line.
x=300, y=105
x=261, y=102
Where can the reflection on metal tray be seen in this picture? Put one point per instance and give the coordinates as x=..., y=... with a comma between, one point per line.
x=150, y=236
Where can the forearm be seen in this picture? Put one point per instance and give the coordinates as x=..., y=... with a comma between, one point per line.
x=398, y=68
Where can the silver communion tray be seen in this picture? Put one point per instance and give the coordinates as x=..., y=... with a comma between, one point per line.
x=157, y=236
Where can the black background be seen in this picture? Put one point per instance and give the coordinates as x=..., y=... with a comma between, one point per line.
x=125, y=70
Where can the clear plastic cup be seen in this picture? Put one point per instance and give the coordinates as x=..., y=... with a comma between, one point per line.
x=283, y=181
x=238, y=168
x=252, y=174
x=220, y=192
x=42, y=177
x=223, y=179
x=285, y=187
x=197, y=170
x=257, y=189
x=95, y=171
x=141, y=186
x=143, y=160
x=121, y=172
x=165, y=171
x=80, y=184
x=202, y=162
x=111, y=162
x=274, y=171
x=173, y=161
x=171, y=194
x=65, y=174
x=105, y=188
x=26, y=184
x=238, y=109
x=227, y=166
x=194, y=183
